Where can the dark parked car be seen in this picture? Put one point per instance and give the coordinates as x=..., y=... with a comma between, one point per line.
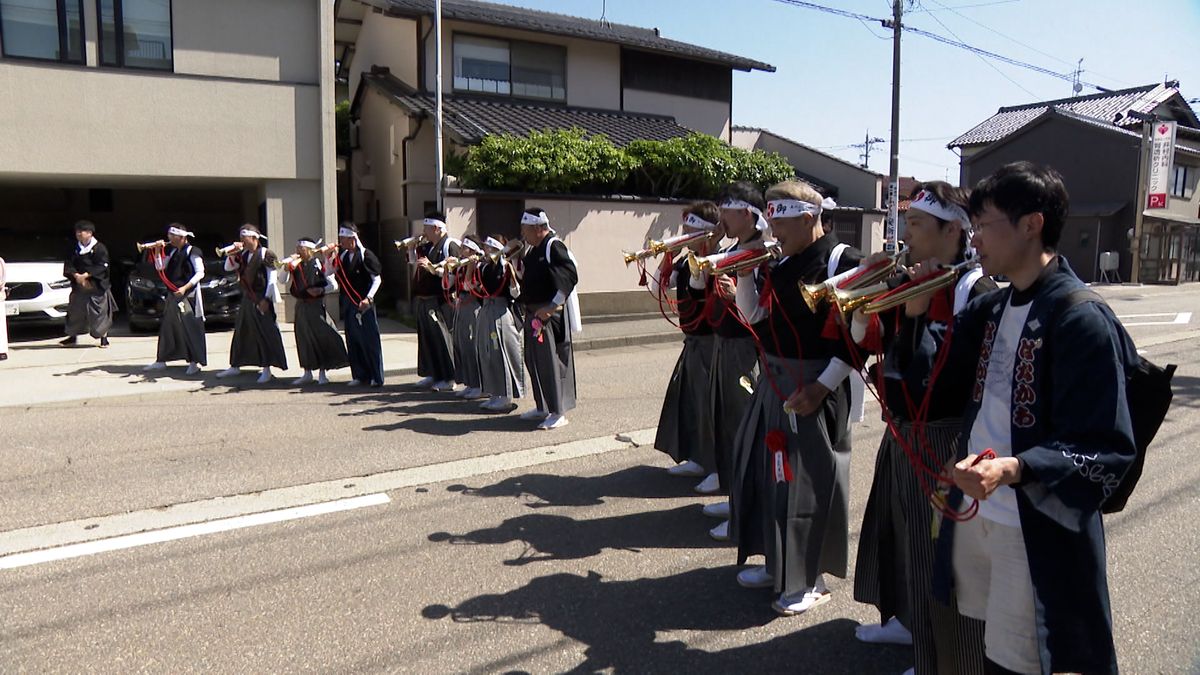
x=145, y=294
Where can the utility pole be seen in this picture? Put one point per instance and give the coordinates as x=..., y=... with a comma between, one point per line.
x=1135, y=244
x=437, y=87
x=866, y=146
x=893, y=216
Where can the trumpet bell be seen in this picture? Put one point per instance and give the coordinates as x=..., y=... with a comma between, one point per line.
x=848, y=301
x=814, y=295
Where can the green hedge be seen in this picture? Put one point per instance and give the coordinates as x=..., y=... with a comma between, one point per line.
x=570, y=162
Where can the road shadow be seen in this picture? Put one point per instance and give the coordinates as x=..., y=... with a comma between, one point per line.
x=551, y=490
x=1186, y=389
x=549, y=537
x=409, y=403
x=620, y=621
x=435, y=426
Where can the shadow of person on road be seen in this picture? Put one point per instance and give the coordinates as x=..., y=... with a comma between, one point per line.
x=549, y=537
x=620, y=622
x=552, y=490
x=435, y=426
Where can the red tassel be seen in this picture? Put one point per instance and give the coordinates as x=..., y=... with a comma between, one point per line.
x=873, y=341
x=832, y=329
x=940, y=309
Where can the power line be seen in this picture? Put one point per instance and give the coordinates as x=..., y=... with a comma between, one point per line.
x=956, y=7
x=989, y=64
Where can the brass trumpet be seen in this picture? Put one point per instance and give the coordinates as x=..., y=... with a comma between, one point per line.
x=847, y=301
x=920, y=287
x=292, y=260
x=677, y=243
x=863, y=275
x=508, y=252
x=451, y=264
x=733, y=262
x=410, y=242
x=142, y=246
x=223, y=251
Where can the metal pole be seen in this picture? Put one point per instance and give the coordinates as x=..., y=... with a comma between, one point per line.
x=893, y=215
x=1135, y=246
x=437, y=95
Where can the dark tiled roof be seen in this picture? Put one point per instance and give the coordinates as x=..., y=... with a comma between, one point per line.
x=1103, y=107
x=471, y=119
x=560, y=24
x=806, y=147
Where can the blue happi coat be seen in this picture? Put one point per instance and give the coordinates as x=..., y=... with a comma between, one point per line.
x=1071, y=427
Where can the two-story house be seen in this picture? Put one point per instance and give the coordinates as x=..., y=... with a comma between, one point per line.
x=1096, y=143
x=134, y=114
x=512, y=70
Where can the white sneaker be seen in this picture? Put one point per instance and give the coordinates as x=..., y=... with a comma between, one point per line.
x=755, y=577
x=425, y=382
x=473, y=393
x=323, y=379
x=229, y=372
x=192, y=369
x=891, y=633
x=462, y=393
x=444, y=385
x=791, y=605
x=711, y=485
x=554, y=422
x=720, y=532
x=688, y=468
x=535, y=414
x=157, y=365
x=306, y=378
x=265, y=376
x=718, y=510
x=354, y=383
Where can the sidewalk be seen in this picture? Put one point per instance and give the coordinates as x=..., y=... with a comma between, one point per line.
x=41, y=371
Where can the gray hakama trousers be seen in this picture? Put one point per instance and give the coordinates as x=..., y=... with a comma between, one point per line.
x=90, y=312
x=256, y=338
x=802, y=526
x=434, y=345
x=551, y=364
x=684, y=427
x=498, y=350
x=466, y=363
x=894, y=571
x=181, y=334
x=733, y=360
x=318, y=344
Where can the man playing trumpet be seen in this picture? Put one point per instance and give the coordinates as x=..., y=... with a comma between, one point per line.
x=256, y=337
x=358, y=272
x=180, y=266
x=435, y=360
x=318, y=344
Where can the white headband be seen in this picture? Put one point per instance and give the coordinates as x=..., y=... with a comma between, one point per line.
x=761, y=224
x=494, y=243
x=308, y=243
x=530, y=219
x=698, y=223
x=347, y=232
x=925, y=201
x=252, y=233
x=179, y=232
x=472, y=245
x=794, y=208
x=434, y=222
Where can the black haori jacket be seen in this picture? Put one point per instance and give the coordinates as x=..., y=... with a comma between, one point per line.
x=1071, y=427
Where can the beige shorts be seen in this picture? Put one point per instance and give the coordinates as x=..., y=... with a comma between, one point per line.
x=992, y=583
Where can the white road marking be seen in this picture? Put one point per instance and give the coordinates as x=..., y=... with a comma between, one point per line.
x=184, y=531
x=106, y=527
x=1176, y=319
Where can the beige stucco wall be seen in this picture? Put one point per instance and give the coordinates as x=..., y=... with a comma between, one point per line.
x=1178, y=206
x=710, y=117
x=385, y=41
x=85, y=121
x=593, y=68
x=273, y=40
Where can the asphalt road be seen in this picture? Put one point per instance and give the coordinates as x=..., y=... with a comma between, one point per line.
x=489, y=555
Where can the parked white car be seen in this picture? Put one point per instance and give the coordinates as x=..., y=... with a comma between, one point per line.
x=37, y=293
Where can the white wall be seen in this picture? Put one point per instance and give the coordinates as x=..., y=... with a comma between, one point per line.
x=710, y=117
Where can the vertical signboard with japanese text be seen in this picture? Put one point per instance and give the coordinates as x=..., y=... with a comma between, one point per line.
x=1162, y=154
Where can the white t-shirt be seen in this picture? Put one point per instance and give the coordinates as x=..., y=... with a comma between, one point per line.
x=993, y=426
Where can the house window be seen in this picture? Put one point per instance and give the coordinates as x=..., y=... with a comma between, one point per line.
x=1183, y=181
x=42, y=29
x=135, y=33
x=510, y=68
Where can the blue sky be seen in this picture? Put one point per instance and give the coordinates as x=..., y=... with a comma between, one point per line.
x=833, y=79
